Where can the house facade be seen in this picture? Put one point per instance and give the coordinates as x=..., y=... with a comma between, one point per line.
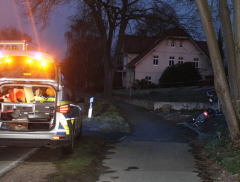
x=148, y=57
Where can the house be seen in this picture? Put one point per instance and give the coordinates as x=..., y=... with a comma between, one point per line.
x=147, y=57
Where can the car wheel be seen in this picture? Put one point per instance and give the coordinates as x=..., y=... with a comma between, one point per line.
x=67, y=150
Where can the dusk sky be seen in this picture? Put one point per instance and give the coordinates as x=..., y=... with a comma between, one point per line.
x=52, y=39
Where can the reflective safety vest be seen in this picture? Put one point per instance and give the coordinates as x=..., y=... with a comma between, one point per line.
x=37, y=98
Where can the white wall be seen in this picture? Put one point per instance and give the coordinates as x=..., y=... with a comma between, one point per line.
x=164, y=50
x=127, y=59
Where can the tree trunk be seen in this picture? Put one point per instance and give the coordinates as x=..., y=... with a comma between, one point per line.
x=111, y=63
x=230, y=54
x=236, y=19
x=220, y=80
x=108, y=83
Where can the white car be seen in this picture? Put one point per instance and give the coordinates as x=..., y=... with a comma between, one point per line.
x=37, y=107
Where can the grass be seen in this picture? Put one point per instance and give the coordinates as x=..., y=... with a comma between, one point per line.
x=83, y=164
x=106, y=118
x=223, y=151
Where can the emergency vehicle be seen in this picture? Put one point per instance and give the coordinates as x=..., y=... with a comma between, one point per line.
x=37, y=107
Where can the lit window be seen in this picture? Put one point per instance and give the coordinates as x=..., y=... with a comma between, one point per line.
x=180, y=60
x=196, y=62
x=172, y=44
x=181, y=44
x=155, y=60
x=171, y=60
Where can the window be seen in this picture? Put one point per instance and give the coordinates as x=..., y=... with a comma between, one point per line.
x=181, y=44
x=148, y=79
x=171, y=60
x=180, y=60
x=155, y=60
x=69, y=92
x=196, y=62
x=172, y=44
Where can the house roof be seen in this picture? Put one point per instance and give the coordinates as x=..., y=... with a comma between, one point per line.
x=133, y=43
x=146, y=51
x=204, y=47
x=176, y=31
x=137, y=44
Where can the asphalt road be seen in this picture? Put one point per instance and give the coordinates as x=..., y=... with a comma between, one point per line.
x=156, y=151
x=10, y=157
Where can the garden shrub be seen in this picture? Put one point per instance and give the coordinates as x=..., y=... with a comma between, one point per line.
x=180, y=75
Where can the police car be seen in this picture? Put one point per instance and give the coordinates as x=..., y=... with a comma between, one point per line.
x=38, y=108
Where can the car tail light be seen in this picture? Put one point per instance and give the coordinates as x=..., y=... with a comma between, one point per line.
x=58, y=137
x=65, y=108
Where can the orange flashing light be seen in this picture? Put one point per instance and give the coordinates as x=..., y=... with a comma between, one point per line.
x=29, y=61
x=8, y=60
x=43, y=63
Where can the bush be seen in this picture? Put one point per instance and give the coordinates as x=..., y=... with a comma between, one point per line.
x=144, y=84
x=106, y=118
x=180, y=75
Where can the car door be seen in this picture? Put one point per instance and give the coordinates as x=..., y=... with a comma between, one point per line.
x=75, y=109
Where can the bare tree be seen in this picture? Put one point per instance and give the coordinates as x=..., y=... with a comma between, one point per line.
x=160, y=18
x=111, y=18
x=11, y=33
x=84, y=53
x=232, y=49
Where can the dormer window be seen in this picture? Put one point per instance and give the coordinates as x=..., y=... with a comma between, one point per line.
x=172, y=44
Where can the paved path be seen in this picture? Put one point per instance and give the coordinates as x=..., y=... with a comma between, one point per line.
x=10, y=157
x=154, y=152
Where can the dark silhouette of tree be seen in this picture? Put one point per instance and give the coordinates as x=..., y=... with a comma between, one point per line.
x=11, y=33
x=156, y=21
x=84, y=55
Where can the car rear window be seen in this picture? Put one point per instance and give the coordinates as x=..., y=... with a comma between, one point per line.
x=27, y=94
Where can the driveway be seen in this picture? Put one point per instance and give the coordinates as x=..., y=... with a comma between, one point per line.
x=156, y=151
